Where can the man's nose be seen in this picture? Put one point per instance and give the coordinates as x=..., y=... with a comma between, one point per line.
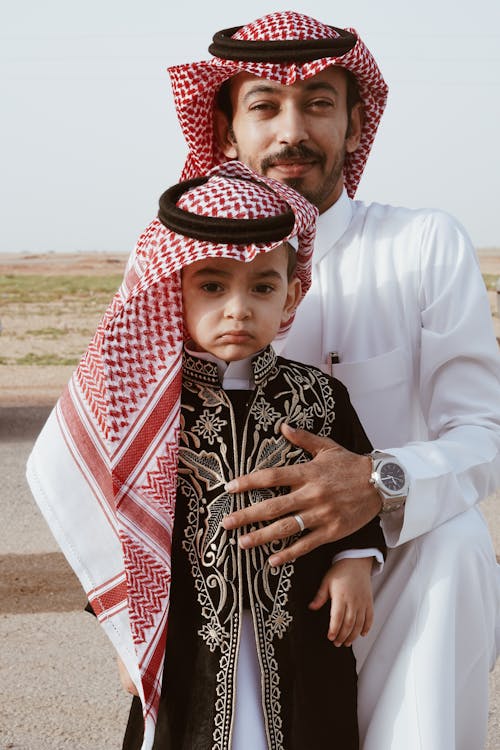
x=292, y=126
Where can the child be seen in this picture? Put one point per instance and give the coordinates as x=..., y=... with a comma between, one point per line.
x=247, y=658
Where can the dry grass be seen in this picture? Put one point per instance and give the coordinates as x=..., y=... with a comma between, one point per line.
x=49, y=320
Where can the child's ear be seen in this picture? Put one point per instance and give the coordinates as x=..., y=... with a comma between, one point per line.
x=292, y=299
x=224, y=135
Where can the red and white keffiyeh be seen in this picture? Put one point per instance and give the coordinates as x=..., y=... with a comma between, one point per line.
x=104, y=469
x=195, y=86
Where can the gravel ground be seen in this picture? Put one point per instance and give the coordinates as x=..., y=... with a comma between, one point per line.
x=57, y=666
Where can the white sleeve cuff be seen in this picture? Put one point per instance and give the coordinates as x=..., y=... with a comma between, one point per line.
x=365, y=552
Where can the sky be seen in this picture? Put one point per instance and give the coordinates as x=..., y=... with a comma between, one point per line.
x=89, y=137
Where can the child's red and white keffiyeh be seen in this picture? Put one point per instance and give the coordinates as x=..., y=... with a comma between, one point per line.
x=195, y=84
x=104, y=469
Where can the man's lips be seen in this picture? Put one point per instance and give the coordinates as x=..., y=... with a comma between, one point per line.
x=293, y=168
x=292, y=161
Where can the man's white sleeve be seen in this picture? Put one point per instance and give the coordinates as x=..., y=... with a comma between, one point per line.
x=459, y=390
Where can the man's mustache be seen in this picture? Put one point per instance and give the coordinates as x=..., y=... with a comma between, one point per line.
x=291, y=153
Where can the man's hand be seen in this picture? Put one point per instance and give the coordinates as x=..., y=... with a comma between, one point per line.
x=331, y=493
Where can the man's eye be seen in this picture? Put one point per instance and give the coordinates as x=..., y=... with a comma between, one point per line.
x=262, y=107
x=321, y=104
x=211, y=287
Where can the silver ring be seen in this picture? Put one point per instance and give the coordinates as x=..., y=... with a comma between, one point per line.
x=300, y=521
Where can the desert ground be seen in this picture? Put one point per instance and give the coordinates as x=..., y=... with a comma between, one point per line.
x=60, y=686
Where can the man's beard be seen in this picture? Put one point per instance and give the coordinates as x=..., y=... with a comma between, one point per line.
x=301, y=152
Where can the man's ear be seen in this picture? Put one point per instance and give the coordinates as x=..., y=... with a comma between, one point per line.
x=224, y=135
x=356, y=122
x=292, y=299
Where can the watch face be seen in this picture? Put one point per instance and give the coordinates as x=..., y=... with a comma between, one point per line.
x=392, y=476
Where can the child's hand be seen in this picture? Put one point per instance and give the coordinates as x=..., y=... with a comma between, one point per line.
x=125, y=679
x=348, y=584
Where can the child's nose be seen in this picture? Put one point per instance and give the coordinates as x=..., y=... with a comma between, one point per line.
x=238, y=308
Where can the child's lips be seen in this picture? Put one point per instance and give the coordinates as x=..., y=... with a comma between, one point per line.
x=235, y=337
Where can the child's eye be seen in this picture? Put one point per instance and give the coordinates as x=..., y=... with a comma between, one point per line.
x=211, y=287
x=264, y=288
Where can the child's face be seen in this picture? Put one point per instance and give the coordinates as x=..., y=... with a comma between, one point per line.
x=233, y=309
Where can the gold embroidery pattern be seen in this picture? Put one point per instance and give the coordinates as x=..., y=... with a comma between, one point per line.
x=208, y=458
x=208, y=426
x=212, y=557
x=264, y=414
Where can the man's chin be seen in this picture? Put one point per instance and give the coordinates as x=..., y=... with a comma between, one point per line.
x=300, y=185
x=297, y=183
x=321, y=197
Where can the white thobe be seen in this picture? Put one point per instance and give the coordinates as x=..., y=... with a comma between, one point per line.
x=399, y=296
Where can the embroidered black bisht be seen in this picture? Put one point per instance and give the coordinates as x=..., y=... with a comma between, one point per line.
x=309, y=689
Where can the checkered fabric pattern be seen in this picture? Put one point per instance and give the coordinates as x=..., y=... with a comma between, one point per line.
x=195, y=86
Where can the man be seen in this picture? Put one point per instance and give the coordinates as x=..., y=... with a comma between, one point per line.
x=398, y=309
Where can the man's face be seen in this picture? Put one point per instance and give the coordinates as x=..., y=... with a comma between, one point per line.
x=234, y=309
x=297, y=134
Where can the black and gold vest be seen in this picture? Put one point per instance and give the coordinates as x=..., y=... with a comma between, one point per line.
x=308, y=685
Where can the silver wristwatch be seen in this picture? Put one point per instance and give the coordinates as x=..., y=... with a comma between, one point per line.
x=390, y=480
